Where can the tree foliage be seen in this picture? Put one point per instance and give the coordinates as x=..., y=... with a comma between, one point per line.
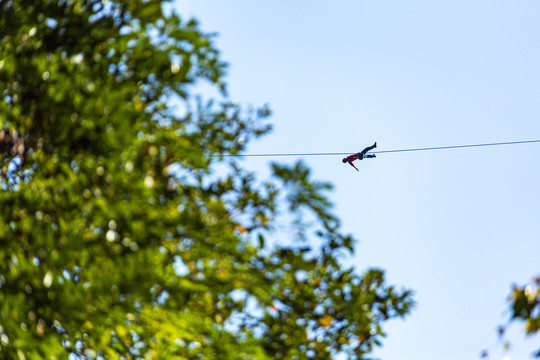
x=525, y=307
x=125, y=231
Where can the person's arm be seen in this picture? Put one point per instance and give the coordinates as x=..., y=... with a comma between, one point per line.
x=350, y=162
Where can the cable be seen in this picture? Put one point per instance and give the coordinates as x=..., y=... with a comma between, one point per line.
x=380, y=152
x=460, y=146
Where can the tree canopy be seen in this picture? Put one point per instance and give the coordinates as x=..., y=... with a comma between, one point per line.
x=524, y=307
x=125, y=230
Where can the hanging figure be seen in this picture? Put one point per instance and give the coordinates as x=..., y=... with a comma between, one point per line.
x=361, y=155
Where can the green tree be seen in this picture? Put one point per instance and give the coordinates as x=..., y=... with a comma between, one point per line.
x=525, y=306
x=125, y=229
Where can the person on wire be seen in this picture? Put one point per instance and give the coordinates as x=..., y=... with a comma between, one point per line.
x=360, y=156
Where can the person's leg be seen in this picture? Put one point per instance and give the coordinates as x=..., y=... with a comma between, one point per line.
x=363, y=153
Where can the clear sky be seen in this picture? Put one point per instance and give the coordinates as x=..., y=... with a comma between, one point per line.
x=457, y=226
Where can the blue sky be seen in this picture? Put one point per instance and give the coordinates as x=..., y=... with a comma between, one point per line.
x=457, y=226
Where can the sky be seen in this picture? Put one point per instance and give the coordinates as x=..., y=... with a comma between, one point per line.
x=459, y=226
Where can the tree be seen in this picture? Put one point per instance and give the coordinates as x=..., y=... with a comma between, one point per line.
x=127, y=231
x=525, y=306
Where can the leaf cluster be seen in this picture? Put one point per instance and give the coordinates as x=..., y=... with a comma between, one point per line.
x=525, y=307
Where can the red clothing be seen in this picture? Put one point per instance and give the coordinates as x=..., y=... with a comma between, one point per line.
x=351, y=158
